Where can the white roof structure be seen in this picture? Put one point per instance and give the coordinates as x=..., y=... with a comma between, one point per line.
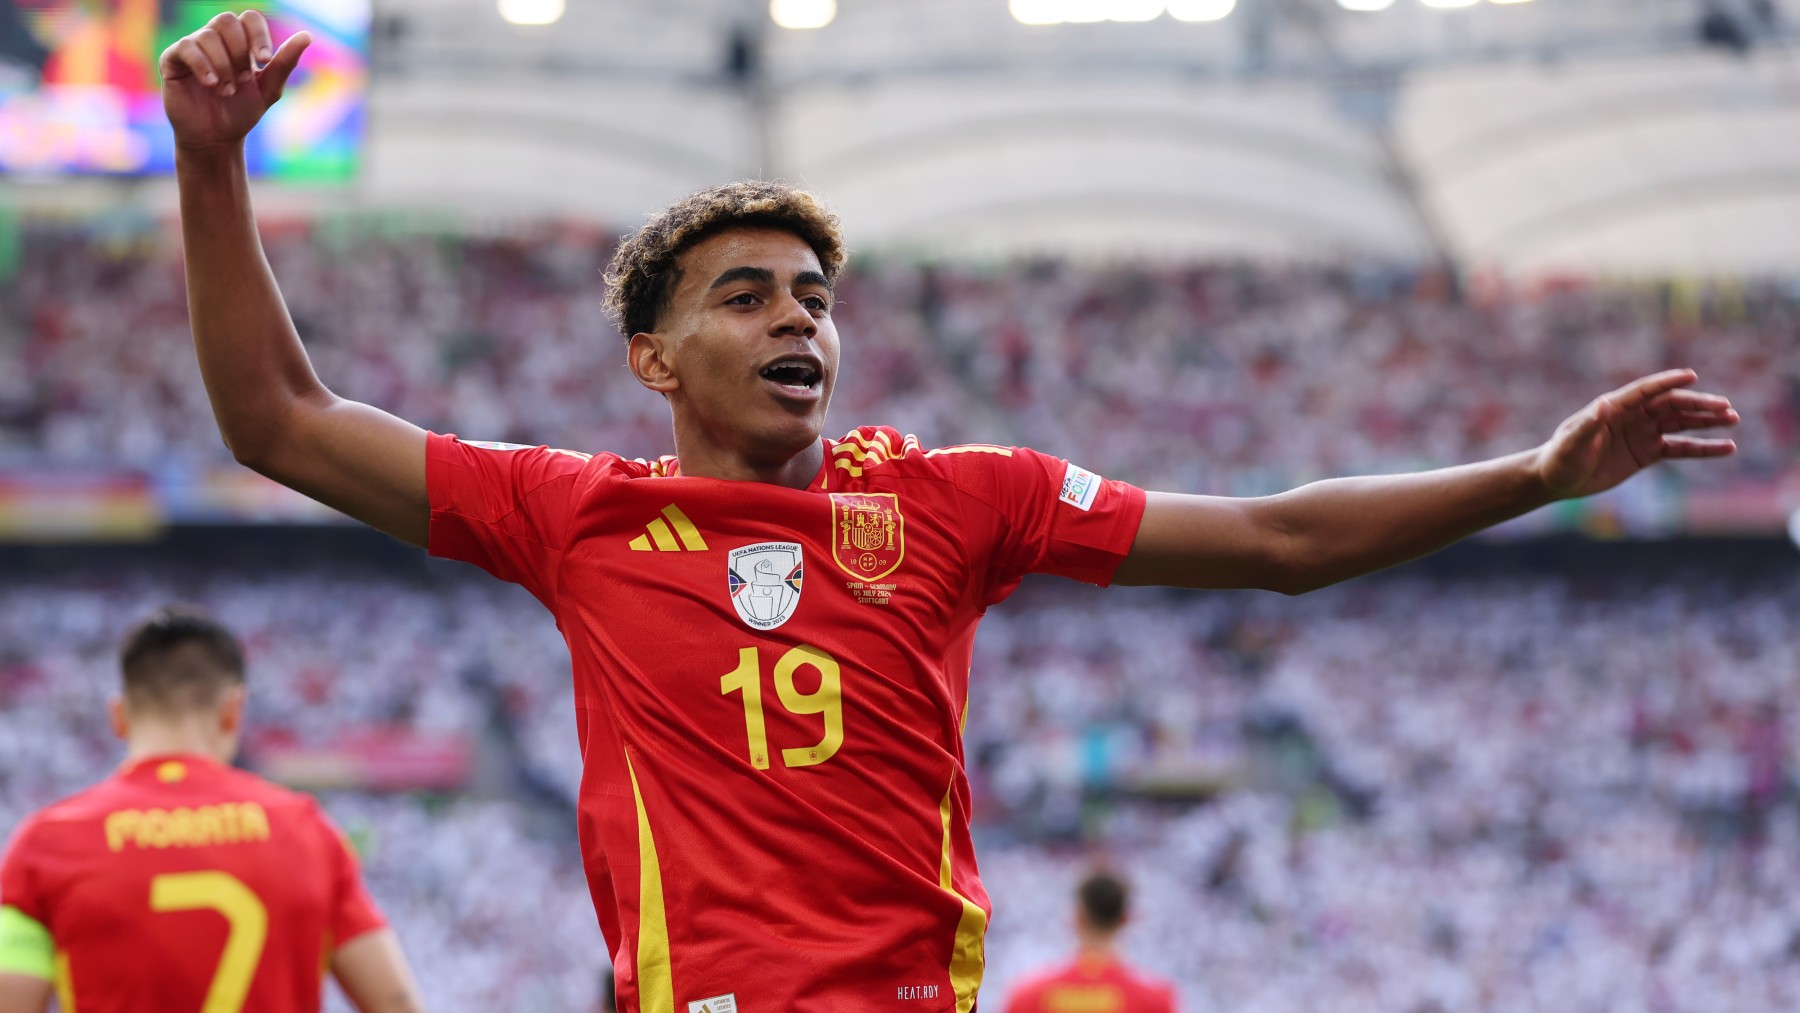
x=1592, y=135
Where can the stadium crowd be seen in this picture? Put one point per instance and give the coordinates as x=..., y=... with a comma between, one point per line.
x=1418, y=793
x=1225, y=379
x=1515, y=793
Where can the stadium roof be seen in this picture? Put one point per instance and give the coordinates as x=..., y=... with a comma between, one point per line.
x=1600, y=135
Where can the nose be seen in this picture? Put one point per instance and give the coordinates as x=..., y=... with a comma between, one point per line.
x=791, y=318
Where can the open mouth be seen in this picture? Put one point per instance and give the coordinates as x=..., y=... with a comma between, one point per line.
x=797, y=375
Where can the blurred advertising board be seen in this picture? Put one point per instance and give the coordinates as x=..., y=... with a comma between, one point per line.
x=377, y=758
x=65, y=506
x=80, y=92
x=51, y=504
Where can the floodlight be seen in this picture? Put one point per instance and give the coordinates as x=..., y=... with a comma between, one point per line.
x=1365, y=5
x=1086, y=11
x=802, y=13
x=532, y=12
x=1449, y=3
x=1200, y=10
x=1037, y=12
x=1134, y=10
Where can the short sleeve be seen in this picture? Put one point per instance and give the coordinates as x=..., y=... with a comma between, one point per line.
x=1048, y=516
x=353, y=910
x=502, y=507
x=18, y=887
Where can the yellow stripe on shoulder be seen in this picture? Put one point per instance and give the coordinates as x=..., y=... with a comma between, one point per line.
x=971, y=448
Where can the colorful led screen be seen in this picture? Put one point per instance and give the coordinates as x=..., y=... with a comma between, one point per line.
x=79, y=88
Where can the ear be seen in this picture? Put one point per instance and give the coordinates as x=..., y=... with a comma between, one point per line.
x=649, y=359
x=117, y=717
x=231, y=710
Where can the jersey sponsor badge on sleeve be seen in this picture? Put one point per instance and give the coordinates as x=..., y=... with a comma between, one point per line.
x=764, y=580
x=1079, y=487
x=726, y=1003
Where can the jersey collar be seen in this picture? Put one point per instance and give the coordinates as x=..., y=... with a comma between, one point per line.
x=130, y=767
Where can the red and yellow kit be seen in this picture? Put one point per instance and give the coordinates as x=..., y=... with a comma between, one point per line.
x=183, y=884
x=1092, y=986
x=769, y=688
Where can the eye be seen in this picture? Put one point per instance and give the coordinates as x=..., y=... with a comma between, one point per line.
x=816, y=303
x=741, y=299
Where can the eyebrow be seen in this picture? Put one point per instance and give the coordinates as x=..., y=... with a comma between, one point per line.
x=764, y=276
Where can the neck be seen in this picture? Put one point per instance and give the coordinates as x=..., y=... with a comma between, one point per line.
x=703, y=458
x=161, y=737
x=1096, y=945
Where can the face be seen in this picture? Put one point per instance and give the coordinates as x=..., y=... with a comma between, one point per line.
x=747, y=352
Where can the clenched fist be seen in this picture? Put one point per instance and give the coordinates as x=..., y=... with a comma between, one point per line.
x=218, y=82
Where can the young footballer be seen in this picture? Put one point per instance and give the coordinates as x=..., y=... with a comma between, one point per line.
x=771, y=630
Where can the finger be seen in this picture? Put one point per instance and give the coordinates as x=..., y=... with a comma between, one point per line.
x=1684, y=421
x=1690, y=446
x=1681, y=400
x=237, y=44
x=186, y=58
x=1639, y=391
x=214, y=48
x=262, y=45
x=275, y=75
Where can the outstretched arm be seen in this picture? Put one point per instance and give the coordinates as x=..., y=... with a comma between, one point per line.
x=273, y=412
x=1333, y=530
x=373, y=973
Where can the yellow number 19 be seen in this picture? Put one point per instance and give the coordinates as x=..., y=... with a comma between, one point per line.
x=828, y=700
x=244, y=913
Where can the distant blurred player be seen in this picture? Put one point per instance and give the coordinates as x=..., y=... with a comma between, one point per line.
x=180, y=883
x=1096, y=981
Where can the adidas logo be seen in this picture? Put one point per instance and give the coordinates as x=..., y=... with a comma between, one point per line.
x=660, y=536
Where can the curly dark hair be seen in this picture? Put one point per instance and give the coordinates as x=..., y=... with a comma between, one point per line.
x=645, y=270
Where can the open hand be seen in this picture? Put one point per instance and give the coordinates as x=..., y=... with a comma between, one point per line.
x=1623, y=432
x=218, y=82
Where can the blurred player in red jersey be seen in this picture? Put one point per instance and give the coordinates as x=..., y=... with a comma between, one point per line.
x=1096, y=981
x=771, y=632
x=181, y=883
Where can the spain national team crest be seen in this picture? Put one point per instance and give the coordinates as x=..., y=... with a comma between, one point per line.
x=765, y=582
x=868, y=535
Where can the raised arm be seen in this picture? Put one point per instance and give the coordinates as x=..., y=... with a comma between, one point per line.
x=373, y=973
x=1333, y=530
x=273, y=412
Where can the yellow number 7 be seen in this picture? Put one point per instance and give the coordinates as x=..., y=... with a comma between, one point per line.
x=243, y=911
x=828, y=700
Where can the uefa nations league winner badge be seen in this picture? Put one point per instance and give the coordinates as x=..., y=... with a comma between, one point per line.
x=765, y=582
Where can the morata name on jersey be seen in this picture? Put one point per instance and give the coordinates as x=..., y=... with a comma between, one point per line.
x=185, y=827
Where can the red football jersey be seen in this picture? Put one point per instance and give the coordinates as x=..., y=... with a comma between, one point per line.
x=1090, y=985
x=769, y=688
x=180, y=883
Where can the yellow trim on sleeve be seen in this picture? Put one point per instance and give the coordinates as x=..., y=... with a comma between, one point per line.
x=25, y=945
x=967, y=954
x=656, y=985
x=971, y=448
